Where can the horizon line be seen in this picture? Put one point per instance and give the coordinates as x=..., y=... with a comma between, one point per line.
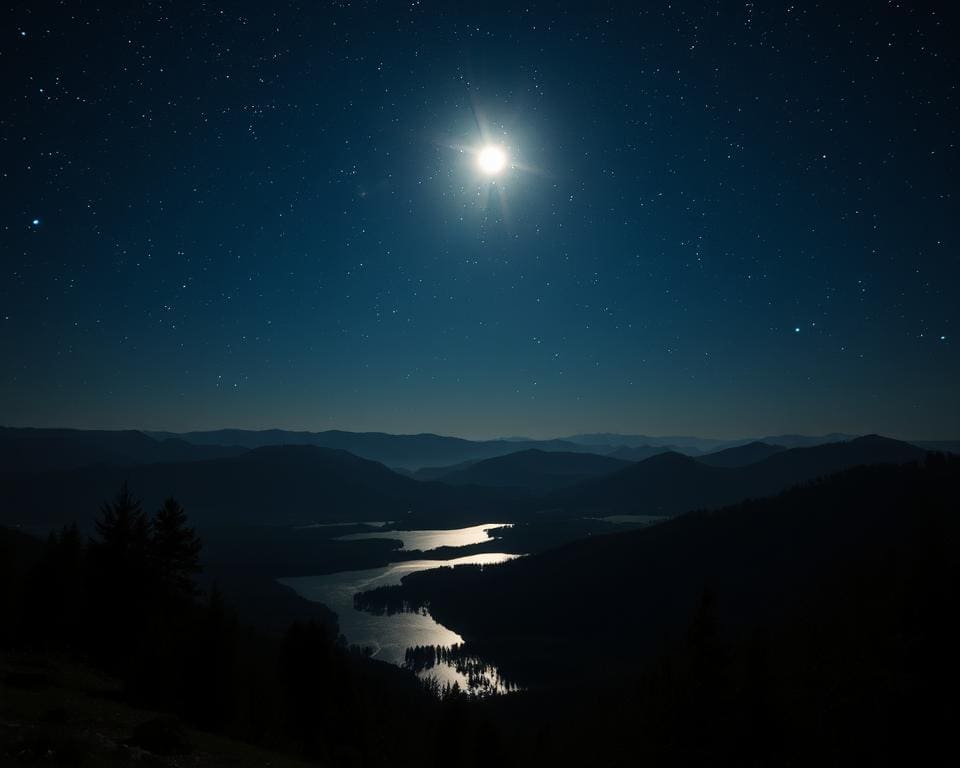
x=505, y=438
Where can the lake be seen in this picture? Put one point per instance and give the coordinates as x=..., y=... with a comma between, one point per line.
x=389, y=636
x=427, y=540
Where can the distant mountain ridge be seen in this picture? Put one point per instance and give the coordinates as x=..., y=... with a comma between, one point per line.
x=741, y=455
x=288, y=485
x=41, y=449
x=641, y=452
x=405, y=451
x=38, y=450
x=531, y=469
x=671, y=483
x=695, y=445
x=414, y=452
x=541, y=471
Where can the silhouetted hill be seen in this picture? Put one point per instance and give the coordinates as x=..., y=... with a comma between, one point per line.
x=435, y=473
x=533, y=469
x=807, y=441
x=407, y=451
x=38, y=450
x=741, y=455
x=694, y=446
x=640, y=452
x=671, y=483
x=277, y=485
x=801, y=464
x=666, y=484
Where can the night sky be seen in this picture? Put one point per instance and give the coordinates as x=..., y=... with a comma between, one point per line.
x=723, y=219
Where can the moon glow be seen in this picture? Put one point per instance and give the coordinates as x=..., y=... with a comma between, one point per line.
x=492, y=160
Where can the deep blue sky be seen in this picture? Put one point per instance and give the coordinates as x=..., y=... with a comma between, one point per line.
x=723, y=218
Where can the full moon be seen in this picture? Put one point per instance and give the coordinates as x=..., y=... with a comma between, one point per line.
x=492, y=160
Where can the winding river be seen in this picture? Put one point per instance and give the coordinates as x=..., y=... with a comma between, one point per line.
x=389, y=636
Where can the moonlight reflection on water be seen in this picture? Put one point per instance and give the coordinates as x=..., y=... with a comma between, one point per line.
x=388, y=636
x=427, y=540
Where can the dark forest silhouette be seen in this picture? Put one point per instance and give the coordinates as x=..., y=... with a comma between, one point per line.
x=127, y=601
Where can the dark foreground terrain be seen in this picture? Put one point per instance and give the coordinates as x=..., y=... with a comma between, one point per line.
x=810, y=626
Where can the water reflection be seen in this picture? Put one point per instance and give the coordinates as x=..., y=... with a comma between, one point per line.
x=371, y=524
x=388, y=636
x=427, y=540
x=455, y=665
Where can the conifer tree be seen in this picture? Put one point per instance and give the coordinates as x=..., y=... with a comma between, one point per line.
x=175, y=549
x=124, y=529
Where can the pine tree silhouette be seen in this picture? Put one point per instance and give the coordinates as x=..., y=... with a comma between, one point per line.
x=176, y=550
x=124, y=530
x=120, y=580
